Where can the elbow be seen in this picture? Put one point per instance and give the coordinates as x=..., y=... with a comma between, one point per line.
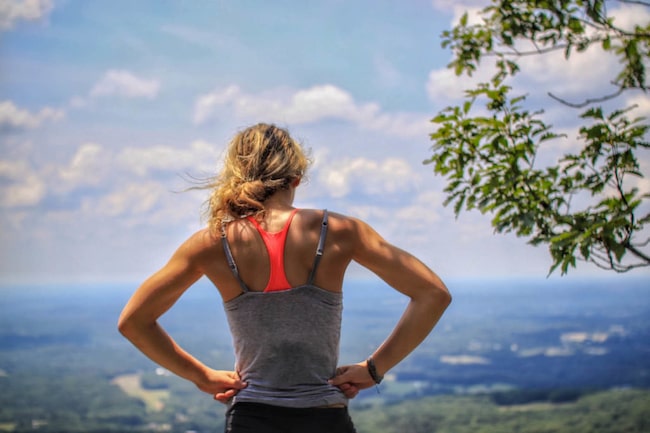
x=126, y=326
x=438, y=297
x=446, y=298
x=442, y=297
x=135, y=326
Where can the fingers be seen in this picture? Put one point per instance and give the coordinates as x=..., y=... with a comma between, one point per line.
x=233, y=381
x=341, y=370
x=238, y=384
x=349, y=390
x=340, y=377
x=347, y=374
x=223, y=397
x=222, y=385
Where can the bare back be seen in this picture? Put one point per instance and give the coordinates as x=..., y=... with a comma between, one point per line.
x=252, y=259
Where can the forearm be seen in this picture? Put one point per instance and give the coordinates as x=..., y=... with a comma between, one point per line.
x=157, y=345
x=418, y=320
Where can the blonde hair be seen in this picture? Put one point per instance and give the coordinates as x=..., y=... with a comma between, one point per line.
x=260, y=160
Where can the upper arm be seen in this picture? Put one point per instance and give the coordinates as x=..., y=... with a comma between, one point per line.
x=398, y=268
x=162, y=289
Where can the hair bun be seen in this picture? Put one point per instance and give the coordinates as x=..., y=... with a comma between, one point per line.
x=260, y=161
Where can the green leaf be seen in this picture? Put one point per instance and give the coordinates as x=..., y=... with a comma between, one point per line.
x=463, y=20
x=607, y=43
x=467, y=106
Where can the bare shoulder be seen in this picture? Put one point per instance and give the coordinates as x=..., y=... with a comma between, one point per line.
x=201, y=239
x=340, y=226
x=349, y=233
x=199, y=244
x=356, y=229
x=336, y=221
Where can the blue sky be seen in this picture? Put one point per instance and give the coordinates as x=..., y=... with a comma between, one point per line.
x=106, y=108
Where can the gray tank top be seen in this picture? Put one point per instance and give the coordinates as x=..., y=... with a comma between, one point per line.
x=286, y=342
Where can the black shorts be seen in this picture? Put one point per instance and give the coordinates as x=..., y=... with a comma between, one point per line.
x=264, y=418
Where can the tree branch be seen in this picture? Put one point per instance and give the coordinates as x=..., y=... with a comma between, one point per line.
x=637, y=253
x=606, y=265
x=535, y=52
x=588, y=101
x=635, y=2
x=619, y=174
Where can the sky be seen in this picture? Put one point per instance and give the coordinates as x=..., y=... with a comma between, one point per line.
x=108, y=110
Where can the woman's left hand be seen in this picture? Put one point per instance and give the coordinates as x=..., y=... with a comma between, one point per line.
x=350, y=379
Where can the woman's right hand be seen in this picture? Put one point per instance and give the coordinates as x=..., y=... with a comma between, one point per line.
x=221, y=384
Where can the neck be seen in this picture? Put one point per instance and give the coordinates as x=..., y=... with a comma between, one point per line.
x=281, y=200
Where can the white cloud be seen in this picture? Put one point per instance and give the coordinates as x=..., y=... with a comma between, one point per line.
x=473, y=14
x=306, y=106
x=369, y=212
x=643, y=184
x=199, y=156
x=585, y=74
x=458, y=8
x=14, y=118
x=89, y=166
x=125, y=84
x=135, y=198
x=206, y=104
x=423, y=211
x=143, y=203
x=642, y=103
x=12, y=11
x=389, y=176
x=19, y=185
x=445, y=5
x=77, y=102
x=627, y=16
x=94, y=165
x=326, y=101
x=444, y=85
x=303, y=106
x=405, y=125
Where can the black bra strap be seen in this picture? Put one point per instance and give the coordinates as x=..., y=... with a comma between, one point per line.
x=319, y=250
x=231, y=260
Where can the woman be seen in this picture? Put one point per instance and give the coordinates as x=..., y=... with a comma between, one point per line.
x=280, y=273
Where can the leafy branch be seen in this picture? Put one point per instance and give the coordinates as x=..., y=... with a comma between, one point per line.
x=585, y=206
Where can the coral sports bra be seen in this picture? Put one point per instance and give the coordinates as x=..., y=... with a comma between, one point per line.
x=274, y=243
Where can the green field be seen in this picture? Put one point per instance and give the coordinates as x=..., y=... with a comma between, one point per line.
x=131, y=384
x=615, y=411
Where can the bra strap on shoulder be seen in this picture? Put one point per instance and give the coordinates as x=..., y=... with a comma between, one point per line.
x=230, y=258
x=320, y=248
